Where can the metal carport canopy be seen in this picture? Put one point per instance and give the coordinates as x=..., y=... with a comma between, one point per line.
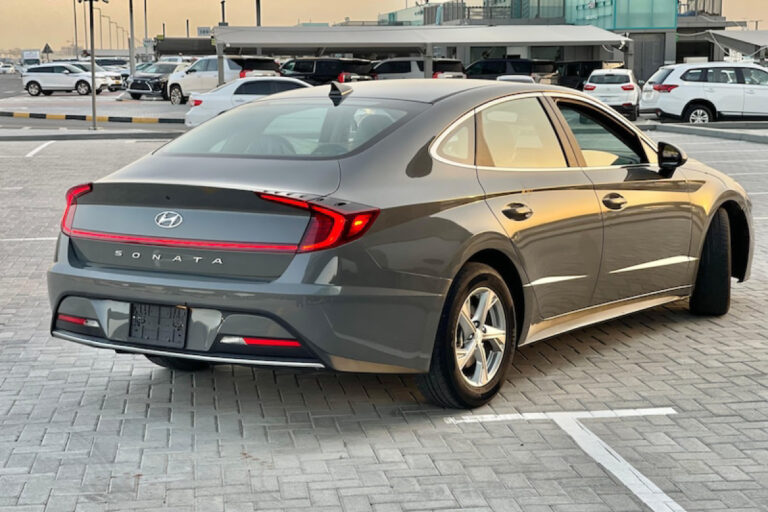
x=749, y=42
x=331, y=39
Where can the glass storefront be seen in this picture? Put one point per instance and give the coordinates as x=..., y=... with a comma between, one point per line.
x=623, y=14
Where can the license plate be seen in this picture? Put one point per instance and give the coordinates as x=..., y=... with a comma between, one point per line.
x=164, y=326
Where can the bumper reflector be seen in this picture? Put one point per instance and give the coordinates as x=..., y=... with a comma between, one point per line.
x=87, y=322
x=262, y=342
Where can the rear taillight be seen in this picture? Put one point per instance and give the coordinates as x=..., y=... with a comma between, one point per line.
x=589, y=87
x=344, y=76
x=327, y=227
x=197, y=103
x=243, y=73
x=436, y=74
x=69, y=212
x=374, y=76
x=665, y=87
x=628, y=87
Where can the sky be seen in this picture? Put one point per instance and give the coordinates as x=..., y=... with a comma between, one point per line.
x=33, y=23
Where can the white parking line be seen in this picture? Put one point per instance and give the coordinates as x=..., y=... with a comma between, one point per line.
x=757, y=193
x=11, y=188
x=39, y=148
x=38, y=239
x=596, y=448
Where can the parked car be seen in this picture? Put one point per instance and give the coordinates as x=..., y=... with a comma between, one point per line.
x=323, y=70
x=117, y=65
x=203, y=75
x=178, y=59
x=207, y=105
x=413, y=67
x=491, y=69
x=153, y=80
x=7, y=68
x=60, y=76
x=616, y=87
x=706, y=92
x=427, y=227
x=113, y=79
x=574, y=73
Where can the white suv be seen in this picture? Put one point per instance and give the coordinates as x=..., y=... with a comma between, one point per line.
x=701, y=93
x=59, y=76
x=203, y=75
x=616, y=87
x=413, y=67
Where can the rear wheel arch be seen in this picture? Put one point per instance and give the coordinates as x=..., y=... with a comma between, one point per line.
x=705, y=103
x=740, y=238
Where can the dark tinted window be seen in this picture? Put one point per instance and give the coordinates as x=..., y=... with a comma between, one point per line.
x=284, y=86
x=296, y=129
x=328, y=67
x=262, y=87
x=493, y=67
x=254, y=64
x=659, y=76
x=61, y=69
x=723, y=76
x=609, y=79
x=695, y=75
x=361, y=68
x=304, y=66
x=517, y=134
x=41, y=69
x=394, y=66
x=448, y=65
x=521, y=67
x=602, y=142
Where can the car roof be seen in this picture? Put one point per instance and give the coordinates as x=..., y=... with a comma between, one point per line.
x=616, y=71
x=424, y=90
x=720, y=64
x=417, y=58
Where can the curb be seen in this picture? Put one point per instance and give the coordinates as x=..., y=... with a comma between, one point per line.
x=101, y=119
x=717, y=133
x=97, y=135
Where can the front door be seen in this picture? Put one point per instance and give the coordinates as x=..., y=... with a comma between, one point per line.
x=646, y=217
x=755, y=92
x=548, y=209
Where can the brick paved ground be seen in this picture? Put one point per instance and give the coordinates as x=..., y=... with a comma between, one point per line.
x=85, y=429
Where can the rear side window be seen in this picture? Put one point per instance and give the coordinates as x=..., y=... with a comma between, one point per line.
x=448, y=66
x=261, y=87
x=361, y=68
x=303, y=66
x=459, y=145
x=695, y=75
x=609, y=79
x=254, y=64
x=328, y=67
x=305, y=129
x=521, y=68
x=517, y=134
x=659, y=76
x=284, y=86
x=723, y=76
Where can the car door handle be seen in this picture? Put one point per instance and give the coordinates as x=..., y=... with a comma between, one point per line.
x=517, y=211
x=614, y=201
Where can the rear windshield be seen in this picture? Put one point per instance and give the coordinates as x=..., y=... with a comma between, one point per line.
x=521, y=67
x=255, y=64
x=361, y=68
x=660, y=75
x=297, y=129
x=609, y=79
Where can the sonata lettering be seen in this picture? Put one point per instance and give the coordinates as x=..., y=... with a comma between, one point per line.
x=175, y=258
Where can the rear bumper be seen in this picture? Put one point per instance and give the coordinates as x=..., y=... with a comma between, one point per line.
x=374, y=327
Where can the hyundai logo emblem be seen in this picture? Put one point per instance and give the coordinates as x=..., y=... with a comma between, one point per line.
x=168, y=219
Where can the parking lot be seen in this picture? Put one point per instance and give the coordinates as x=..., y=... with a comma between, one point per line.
x=86, y=429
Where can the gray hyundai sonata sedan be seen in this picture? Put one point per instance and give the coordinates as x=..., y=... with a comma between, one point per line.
x=427, y=227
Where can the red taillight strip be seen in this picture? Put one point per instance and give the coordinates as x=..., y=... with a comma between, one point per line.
x=72, y=319
x=271, y=342
x=69, y=212
x=179, y=242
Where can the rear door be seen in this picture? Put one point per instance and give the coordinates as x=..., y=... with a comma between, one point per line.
x=756, y=91
x=548, y=208
x=647, y=217
x=725, y=90
x=208, y=76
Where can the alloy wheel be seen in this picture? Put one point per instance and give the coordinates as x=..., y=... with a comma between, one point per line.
x=699, y=116
x=82, y=88
x=176, y=96
x=33, y=89
x=481, y=333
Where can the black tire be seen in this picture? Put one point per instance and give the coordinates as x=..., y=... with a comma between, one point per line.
x=712, y=291
x=634, y=114
x=179, y=363
x=136, y=95
x=176, y=95
x=698, y=114
x=34, y=89
x=83, y=88
x=47, y=93
x=444, y=384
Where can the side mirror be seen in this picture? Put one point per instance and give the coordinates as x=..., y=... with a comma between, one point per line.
x=670, y=158
x=66, y=71
x=191, y=70
x=641, y=83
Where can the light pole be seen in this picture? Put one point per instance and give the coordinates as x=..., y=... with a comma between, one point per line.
x=74, y=10
x=93, y=60
x=258, y=13
x=85, y=27
x=223, y=14
x=131, y=42
x=146, y=30
x=101, y=26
